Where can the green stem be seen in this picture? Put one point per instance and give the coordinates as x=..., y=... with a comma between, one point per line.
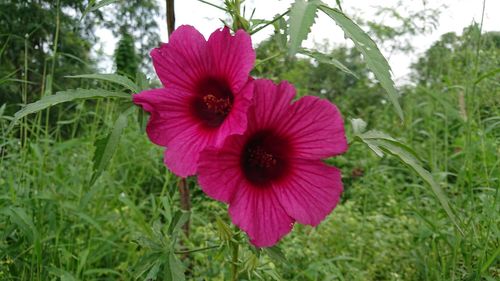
x=269, y=23
x=234, y=261
x=196, y=250
x=213, y=5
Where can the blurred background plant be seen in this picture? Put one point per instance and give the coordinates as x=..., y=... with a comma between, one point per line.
x=84, y=195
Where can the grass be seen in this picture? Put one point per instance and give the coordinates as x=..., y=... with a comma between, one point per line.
x=388, y=227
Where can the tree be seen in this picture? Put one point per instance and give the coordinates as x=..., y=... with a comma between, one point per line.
x=126, y=59
x=40, y=43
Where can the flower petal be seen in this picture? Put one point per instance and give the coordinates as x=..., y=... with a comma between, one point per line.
x=183, y=61
x=315, y=128
x=182, y=154
x=311, y=192
x=271, y=103
x=258, y=212
x=219, y=172
x=236, y=121
x=170, y=113
x=232, y=56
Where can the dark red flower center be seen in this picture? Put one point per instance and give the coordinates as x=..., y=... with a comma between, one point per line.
x=265, y=157
x=213, y=102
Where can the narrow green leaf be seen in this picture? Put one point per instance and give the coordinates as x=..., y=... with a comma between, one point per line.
x=223, y=230
x=113, y=78
x=490, y=260
x=48, y=86
x=322, y=58
x=2, y=109
x=105, y=148
x=276, y=254
x=488, y=74
x=82, y=260
x=61, y=97
x=374, y=58
x=175, y=269
x=20, y=217
x=380, y=142
x=179, y=219
x=302, y=14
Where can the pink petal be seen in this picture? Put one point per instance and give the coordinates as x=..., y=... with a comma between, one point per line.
x=170, y=113
x=182, y=154
x=219, y=172
x=311, y=192
x=183, y=61
x=271, y=103
x=258, y=212
x=236, y=121
x=315, y=128
x=232, y=56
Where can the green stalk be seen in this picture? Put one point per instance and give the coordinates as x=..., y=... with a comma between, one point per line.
x=234, y=262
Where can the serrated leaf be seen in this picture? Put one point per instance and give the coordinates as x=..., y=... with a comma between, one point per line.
x=375, y=61
x=113, y=78
x=380, y=142
x=61, y=97
x=322, y=58
x=153, y=272
x=175, y=269
x=301, y=18
x=179, y=219
x=276, y=254
x=105, y=148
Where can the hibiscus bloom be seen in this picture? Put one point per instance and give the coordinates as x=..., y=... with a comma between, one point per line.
x=273, y=175
x=206, y=96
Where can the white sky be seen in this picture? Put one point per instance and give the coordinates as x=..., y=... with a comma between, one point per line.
x=457, y=15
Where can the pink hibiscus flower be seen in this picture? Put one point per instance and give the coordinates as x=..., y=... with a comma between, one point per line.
x=206, y=96
x=273, y=175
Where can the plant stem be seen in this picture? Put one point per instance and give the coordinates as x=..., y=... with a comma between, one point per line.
x=197, y=250
x=170, y=16
x=185, y=199
x=269, y=23
x=234, y=261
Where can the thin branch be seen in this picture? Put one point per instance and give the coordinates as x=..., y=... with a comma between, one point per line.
x=196, y=250
x=170, y=16
x=269, y=23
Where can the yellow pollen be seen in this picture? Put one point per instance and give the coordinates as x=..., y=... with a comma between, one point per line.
x=217, y=105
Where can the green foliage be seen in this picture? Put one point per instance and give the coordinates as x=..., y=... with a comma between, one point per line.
x=40, y=38
x=301, y=18
x=114, y=78
x=374, y=59
x=64, y=96
x=126, y=59
x=134, y=22
x=106, y=147
x=380, y=142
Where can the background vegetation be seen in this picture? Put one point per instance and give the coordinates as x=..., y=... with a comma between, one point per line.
x=60, y=221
